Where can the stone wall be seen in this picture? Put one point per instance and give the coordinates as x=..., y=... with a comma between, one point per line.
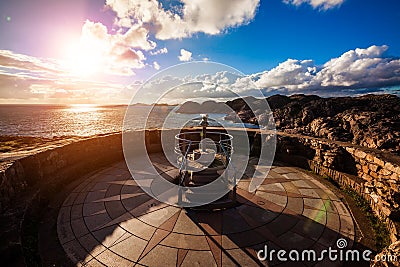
x=358, y=185
x=56, y=166
x=373, y=174
x=59, y=165
x=12, y=182
x=381, y=177
x=28, y=184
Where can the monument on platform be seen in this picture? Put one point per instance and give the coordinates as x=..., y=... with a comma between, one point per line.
x=204, y=157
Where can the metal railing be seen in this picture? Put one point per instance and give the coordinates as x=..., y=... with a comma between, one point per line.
x=188, y=142
x=228, y=157
x=183, y=166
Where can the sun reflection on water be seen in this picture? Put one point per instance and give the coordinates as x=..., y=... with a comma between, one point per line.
x=78, y=108
x=81, y=119
x=84, y=119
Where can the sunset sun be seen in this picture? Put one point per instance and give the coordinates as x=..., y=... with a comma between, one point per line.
x=82, y=60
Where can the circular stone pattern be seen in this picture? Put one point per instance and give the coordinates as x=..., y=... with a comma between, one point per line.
x=108, y=220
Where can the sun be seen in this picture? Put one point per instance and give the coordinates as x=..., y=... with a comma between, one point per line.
x=82, y=60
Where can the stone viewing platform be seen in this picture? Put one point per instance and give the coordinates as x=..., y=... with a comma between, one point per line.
x=109, y=220
x=81, y=204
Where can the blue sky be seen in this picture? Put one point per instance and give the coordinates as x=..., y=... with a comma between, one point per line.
x=64, y=51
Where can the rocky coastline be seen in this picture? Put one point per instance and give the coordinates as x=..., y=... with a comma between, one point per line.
x=372, y=121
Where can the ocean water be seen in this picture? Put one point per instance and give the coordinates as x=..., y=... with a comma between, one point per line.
x=87, y=120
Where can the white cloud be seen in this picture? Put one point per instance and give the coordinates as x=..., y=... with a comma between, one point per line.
x=291, y=73
x=116, y=53
x=185, y=55
x=121, y=52
x=359, y=67
x=159, y=51
x=9, y=59
x=316, y=4
x=211, y=17
x=214, y=86
x=21, y=88
x=156, y=65
x=186, y=18
x=137, y=37
x=357, y=71
x=354, y=69
x=25, y=78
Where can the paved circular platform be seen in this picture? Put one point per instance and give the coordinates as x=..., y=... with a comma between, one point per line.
x=108, y=220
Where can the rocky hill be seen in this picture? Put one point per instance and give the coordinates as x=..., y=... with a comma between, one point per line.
x=209, y=106
x=371, y=120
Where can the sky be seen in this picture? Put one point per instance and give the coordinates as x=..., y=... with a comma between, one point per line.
x=104, y=51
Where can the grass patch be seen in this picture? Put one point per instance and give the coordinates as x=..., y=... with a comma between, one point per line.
x=382, y=235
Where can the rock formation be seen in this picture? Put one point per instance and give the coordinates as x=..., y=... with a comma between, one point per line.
x=371, y=121
x=209, y=106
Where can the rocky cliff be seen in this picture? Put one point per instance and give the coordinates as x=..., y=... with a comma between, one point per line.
x=371, y=121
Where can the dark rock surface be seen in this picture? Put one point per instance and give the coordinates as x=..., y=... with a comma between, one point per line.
x=371, y=121
x=209, y=106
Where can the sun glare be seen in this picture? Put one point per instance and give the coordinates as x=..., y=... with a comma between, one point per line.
x=83, y=61
x=80, y=108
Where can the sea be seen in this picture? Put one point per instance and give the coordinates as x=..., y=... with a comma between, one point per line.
x=86, y=120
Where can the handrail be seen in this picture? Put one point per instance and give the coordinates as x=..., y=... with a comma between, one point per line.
x=182, y=142
x=228, y=136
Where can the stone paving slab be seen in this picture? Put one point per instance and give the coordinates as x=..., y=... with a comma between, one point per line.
x=109, y=221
